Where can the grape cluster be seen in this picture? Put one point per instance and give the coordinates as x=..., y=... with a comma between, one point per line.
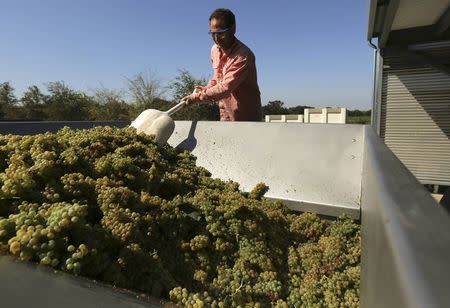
x=112, y=205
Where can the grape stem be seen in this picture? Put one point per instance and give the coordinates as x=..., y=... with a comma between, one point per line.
x=240, y=287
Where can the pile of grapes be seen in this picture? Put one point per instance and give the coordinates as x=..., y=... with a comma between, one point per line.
x=112, y=205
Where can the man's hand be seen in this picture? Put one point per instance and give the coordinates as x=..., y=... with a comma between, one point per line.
x=191, y=99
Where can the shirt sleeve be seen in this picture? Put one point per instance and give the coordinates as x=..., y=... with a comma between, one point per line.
x=233, y=77
x=213, y=80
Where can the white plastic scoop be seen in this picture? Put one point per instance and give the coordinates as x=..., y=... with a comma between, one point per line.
x=158, y=123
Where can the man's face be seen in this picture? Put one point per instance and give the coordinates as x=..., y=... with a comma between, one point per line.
x=223, y=40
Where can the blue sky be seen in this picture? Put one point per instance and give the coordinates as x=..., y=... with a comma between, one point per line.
x=308, y=52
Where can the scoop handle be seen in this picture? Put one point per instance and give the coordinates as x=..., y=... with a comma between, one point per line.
x=178, y=106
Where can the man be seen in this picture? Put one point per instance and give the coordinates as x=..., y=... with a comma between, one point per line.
x=234, y=84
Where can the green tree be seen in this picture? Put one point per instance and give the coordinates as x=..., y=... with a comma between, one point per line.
x=297, y=109
x=274, y=107
x=183, y=85
x=7, y=99
x=64, y=103
x=145, y=88
x=109, y=105
x=33, y=104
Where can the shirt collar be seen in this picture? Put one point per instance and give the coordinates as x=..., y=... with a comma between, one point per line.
x=229, y=50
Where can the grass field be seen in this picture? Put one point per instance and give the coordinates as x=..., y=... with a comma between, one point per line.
x=358, y=120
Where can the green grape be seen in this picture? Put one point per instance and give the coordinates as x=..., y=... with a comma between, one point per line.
x=112, y=205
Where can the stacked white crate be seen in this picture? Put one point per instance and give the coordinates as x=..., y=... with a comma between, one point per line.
x=312, y=115
x=285, y=118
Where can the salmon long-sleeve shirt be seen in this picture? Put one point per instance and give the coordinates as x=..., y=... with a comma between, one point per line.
x=234, y=84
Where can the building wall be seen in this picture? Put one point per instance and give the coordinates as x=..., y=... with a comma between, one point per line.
x=415, y=111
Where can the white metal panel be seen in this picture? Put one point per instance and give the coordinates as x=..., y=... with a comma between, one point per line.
x=417, y=13
x=405, y=244
x=302, y=164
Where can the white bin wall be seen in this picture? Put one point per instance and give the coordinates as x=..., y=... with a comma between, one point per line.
x=405, y=249
x=305, y=164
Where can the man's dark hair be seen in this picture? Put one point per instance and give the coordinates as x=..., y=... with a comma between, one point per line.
x=226, y=15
